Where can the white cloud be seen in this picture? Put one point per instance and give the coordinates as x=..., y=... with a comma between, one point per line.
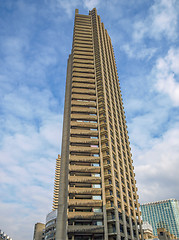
x=161, y=21
x=69, y=5
x=157, y=169
x=138, y=52
x=166, y=73
x=90, y=4
x=29, y=144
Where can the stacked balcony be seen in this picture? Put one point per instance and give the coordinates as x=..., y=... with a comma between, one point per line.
x=56, y=183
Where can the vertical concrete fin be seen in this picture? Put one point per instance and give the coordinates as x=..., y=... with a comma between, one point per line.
x=61, y=225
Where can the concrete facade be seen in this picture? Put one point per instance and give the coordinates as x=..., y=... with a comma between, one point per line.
x=163, y=234
x=97, y=189
x=56, y=183
x=39, y=230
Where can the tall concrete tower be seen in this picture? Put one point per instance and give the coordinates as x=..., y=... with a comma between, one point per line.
x=56, y=183
x=98, y=195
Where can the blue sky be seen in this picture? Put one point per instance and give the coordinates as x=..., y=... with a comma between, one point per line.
x=35, y=41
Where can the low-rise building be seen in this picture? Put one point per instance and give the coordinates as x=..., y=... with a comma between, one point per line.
x=163, y=234
x=48, y=230
x=39, y=231
x=147, y=230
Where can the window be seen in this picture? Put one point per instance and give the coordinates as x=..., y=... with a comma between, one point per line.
x=96, y=185
x=96, y=197
x=97, y=210
x=121, y=228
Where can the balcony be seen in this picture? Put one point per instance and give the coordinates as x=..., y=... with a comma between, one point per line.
x=85, y=191
x=82, y=48
x=106, y=176
x=87, y=91
x=83, y=103
x=109, y=197
x=83, y=110
x=84, y=117
x=85, y=61
x=83, y=64
x=83, y=85
x=87, y=54
x=84, y=132
x=83, y=70
x=82, y=179
x=85, y=215
x=83, y=34
x=81, y=149
x=84, y=124
x=86, y=159
x=83, y=56
x=108, y=186
x=92, y=141
x=84, y=203
x=85, y=229
x=85, y=169
x=83, y=38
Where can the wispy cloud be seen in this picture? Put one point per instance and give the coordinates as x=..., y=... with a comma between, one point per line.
x=132, y=50
x=29, y=144
x=166, y=72
x=160, y=22
x=31, y=120
x=90, y=4
x=157, y=167
x=69, y=5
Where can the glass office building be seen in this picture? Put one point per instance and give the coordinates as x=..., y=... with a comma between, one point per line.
x=162, y=214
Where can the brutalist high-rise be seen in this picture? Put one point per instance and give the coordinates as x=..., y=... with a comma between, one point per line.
x=97, y=190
